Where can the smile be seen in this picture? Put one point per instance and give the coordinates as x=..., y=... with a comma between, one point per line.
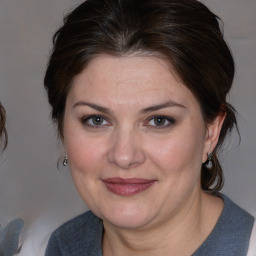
x=127, y=187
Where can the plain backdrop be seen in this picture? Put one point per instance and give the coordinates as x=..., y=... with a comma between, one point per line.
x=31, y=186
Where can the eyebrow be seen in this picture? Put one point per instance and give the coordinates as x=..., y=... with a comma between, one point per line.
x=143, y=111
x=161, y=106
x=91, y=105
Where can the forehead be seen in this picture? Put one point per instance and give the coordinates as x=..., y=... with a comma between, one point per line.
x=129, y=80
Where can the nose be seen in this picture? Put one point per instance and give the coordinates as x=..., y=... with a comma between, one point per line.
x=126, y=150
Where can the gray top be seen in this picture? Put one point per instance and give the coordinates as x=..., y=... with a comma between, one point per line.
x=83, y=235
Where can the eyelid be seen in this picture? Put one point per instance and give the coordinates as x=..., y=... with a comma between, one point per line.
x=84, y=120
x=171, y=121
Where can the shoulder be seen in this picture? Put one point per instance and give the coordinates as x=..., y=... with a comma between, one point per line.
x=236, y=216
x=231, y=234
x=241, y=227
x=76, y=236
x=252, y=244
x=79, y=224
x=235, y=226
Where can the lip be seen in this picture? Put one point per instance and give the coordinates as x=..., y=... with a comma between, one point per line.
x=127, y=187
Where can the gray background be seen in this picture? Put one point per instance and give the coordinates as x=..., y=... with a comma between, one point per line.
x=31, y=187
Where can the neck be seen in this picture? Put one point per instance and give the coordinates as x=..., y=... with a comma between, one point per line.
x=190, y=226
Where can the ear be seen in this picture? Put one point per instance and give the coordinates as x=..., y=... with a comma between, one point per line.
x=212, y=134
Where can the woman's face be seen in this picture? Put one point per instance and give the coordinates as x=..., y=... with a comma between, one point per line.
x=135, y=140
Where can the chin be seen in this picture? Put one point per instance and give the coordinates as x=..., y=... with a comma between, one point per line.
x=128, y=218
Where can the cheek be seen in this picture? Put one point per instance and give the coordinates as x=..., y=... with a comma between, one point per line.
x=85, y=158
x=85, y=153
x=178, y=153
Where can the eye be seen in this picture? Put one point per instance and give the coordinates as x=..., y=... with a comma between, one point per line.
x=161, y=121
x=95, y=121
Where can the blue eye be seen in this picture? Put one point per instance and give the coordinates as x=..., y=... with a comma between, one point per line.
x=161, y=121
x=95, y=121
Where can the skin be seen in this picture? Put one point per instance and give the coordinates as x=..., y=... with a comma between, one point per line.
x=127, y=142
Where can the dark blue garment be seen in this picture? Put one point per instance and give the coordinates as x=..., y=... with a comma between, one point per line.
x=82, y=236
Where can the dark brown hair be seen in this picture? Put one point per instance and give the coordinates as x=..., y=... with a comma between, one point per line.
x=185, y=32
x=3, y=132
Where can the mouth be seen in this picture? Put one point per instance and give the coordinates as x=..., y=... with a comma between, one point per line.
x=127, y=187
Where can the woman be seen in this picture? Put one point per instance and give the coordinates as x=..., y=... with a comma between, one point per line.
x=138, y=91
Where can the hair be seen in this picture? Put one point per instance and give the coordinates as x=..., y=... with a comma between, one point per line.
x=185, y=32
x=3, y=132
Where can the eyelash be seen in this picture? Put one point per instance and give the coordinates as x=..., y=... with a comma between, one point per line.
x=171, y=121
x=85, y=121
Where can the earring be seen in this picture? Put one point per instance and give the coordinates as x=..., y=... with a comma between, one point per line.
x=65, y=161
x=208, y=163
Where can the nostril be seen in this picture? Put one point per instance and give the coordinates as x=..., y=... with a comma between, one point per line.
x=133, y=164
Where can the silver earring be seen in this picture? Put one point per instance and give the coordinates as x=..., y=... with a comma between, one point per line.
x=208, y=163
x=65, y=161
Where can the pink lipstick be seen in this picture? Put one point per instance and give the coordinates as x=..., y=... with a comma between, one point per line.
x=127, y=187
